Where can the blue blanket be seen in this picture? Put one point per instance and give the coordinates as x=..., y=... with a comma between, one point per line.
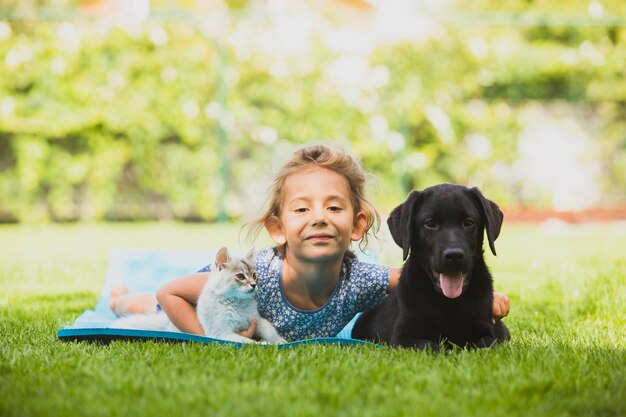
x=144, y=270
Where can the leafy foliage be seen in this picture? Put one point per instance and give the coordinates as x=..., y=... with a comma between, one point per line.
x=102, y=122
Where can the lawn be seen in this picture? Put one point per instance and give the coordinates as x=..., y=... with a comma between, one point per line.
x=567, y=287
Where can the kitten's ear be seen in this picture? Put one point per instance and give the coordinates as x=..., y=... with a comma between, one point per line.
x=222, y=259
x=250, y=255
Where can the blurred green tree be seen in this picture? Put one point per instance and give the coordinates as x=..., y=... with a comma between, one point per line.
x=105, y=122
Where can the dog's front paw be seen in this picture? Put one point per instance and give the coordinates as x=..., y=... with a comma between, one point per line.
x=420, y=344
x=427, y=345
x=484, y=342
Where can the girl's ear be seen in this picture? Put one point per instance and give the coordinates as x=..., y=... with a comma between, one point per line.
x=275, y=230
x=360, y=224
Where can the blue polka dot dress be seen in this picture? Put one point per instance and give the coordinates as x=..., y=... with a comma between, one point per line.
x=365, y=287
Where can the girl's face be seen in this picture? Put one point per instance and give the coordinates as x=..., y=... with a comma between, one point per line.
x=317, y=220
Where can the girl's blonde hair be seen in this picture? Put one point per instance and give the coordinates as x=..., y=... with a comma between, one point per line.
x=318, y=156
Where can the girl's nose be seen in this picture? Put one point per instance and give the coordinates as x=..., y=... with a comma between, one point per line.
x=319, y=216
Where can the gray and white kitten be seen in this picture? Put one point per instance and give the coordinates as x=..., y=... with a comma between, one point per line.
x=227, y=304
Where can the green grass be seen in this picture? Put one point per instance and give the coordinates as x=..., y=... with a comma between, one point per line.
x=567, y=356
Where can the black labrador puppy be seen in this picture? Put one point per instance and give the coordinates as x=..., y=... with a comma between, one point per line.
x=445, y=293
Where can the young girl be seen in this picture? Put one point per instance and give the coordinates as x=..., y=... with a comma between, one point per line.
x=310, y=284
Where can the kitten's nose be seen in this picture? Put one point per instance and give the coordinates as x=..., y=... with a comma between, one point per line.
x=253, y=285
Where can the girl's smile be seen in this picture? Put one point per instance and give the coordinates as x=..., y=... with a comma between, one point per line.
x=320, y=237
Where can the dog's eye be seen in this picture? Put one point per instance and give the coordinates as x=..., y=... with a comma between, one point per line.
x=468, y=222
x=430, y=224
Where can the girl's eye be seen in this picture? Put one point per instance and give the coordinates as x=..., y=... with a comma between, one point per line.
x=240, y=277
x=468, y=222
x=301, y=210
x=334, y=208
x=430, y=224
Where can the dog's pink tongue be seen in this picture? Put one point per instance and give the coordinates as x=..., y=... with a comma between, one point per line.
x=451, y=285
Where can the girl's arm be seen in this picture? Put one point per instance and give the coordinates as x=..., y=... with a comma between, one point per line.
x=501, y=304
x=178, y=299
x=394, y=277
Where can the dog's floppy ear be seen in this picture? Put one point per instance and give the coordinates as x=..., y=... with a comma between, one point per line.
x=399, y=223
x=493, y=218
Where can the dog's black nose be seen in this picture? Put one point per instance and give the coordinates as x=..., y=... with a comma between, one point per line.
x=452, y=255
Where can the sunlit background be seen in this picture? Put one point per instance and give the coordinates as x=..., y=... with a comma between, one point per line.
x=137, y=109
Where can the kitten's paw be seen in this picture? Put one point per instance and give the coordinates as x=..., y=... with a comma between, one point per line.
x=275, y=339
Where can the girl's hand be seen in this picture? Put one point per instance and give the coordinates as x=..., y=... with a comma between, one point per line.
x=501, y=306
x=250, y=331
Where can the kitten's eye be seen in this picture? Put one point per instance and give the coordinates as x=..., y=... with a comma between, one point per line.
x=240, y=277
x=430, y=224
x=468, y=222
x=254, y=277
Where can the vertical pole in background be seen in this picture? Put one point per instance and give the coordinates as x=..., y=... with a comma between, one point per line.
x=405, y=180
x=222, y=137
